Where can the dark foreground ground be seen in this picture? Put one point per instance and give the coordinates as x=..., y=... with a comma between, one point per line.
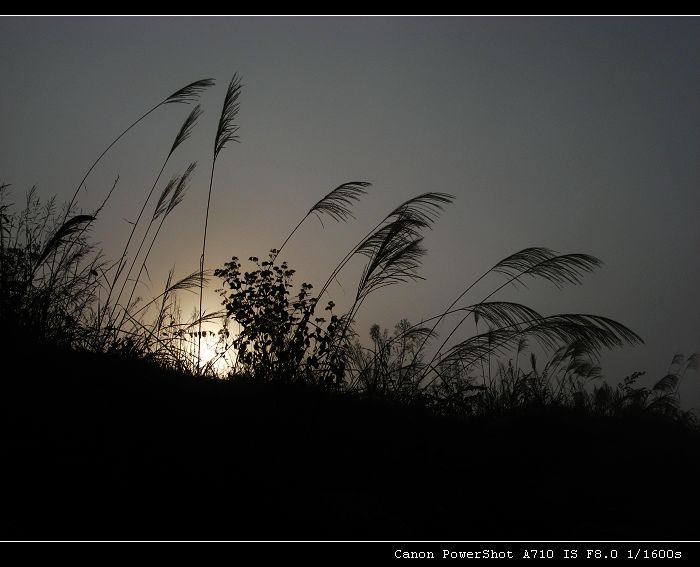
x=93, y=448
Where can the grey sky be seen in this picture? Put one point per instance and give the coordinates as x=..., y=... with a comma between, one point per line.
x=579, y=134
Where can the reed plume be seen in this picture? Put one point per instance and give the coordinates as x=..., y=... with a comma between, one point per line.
x=227, y=131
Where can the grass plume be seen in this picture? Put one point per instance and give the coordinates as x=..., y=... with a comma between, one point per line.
x=227, y=131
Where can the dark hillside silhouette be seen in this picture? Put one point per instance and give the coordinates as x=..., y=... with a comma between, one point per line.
x=107, y=448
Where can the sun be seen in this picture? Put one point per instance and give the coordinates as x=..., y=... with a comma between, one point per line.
x=207, y=353
x=213, y=358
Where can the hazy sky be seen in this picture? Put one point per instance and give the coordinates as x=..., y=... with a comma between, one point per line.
x=579, y=134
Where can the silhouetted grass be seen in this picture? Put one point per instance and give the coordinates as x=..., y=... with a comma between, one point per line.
x=114, y=427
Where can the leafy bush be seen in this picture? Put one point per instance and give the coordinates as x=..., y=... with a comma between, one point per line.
x=279, y=336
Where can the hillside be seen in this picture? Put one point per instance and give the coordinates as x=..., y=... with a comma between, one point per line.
x=113, y=449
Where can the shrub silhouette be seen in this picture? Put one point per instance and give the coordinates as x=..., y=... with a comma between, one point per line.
x=279, y=337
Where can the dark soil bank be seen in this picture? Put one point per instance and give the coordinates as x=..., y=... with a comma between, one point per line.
x=99, y=448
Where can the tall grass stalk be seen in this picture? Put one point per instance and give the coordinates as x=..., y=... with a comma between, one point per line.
x=335, y=204
x=226, y=132
x=182, y=135
x=185, y=95
x=170, y=198
x=393, y=248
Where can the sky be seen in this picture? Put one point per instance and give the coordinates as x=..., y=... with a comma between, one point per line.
x=578, y=134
